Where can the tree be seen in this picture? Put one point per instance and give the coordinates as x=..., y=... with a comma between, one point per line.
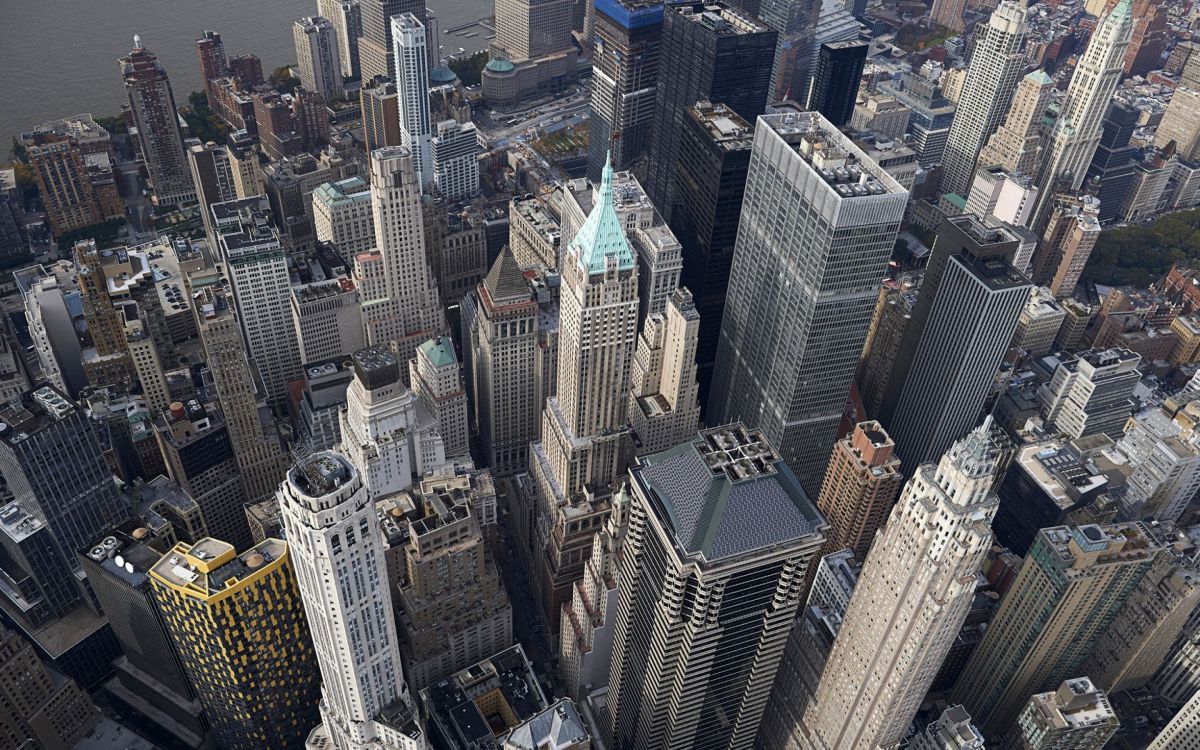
x=283, y=80
x=1140, y=254
x=469, y=69
x=114, y=124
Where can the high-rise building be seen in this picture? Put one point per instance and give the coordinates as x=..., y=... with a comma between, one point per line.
x=930, y=114
x=948, y=14
x=797, y=22
x=1091, y=393
x=664, y=406
x=238, y=623
x=722, y=513
x=1067, y=244
x=1039, y=323
x=585, y=438
x=533, y=53
x=327, y=319
x=953, y=345
x=1000, y=196
x=153, y=108
x=320, y=61
x=1182, y=732
x=836, y=79
x=534, y=233
x=875, y=112
x=452, y=604
x=1074, y=582
x=860, y=487
x=1165, y=464
x=346, y=17
x=1076, y=715
x=399, y=294
x=1072, y=141
x=1016, y=144
x=437, y=380
x=801, y=289
x=330, y=518
x=213, y=178
x=712, y=52
x=210, y=50
x=71, y=162
x=381, y=116
x=911, y=599
x=1112, y=167
x=626, y=41
x=953, y=730
x=987, y=93
x=376, y=50
x=342, y=215
x=710, y=182
x=412, y=92
x=500, y=326
x=38, y=706
x=454, y=150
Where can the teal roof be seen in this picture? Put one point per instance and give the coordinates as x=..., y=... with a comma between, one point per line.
x=602, y=237
x=440, y=352
x=499, y=66
x=1039, y=77
x=441, y=73
x=955, y=200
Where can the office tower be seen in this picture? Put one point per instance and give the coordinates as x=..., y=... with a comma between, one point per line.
x=210, y=51
x=860, y=487
x=38, y=706
x=500, y=326
x=713, y=159
x=1039, y=323
x=327, y=319
x=948, y=14
x=346, y=17
x=108, y=357
x=1112, y=167
x=930, y=114
x=987, y=93
x=454, y=151
x=624, y=78
x=664, y=406
x=585, y=435
x=786, y=358
x=953, y=345
x=386, y=432
x=1000, y=196
x=342, y=215
x=320, y=66
x=585, y=640
x=398, y=291
x=376, y=49
x=438, y=383
x=55, y=341
x=715, y=53
x=911, y=598
x=1072, y=141
x=534, y=233
x=71, y=162
x=1076, y=715
x=457, y=242
x=1165, y=463
x=797, y=22
x=1067, y=244
x=836, y=79
x=333, y=529
x=1147, y=41
x=1074, y=582
x=150, y=677
x=1144, y=633
x=1016, y=144
x=677, y=680
x=882, y=115
x=238, y=623
x=533, y=52
x=258, y=458
x=152, y=106
x=199, y=456
x=213, y=179
x=1183, y=730
x=242, y=152
x=953, y=730
x=381, y=116
x=1091, y=393
x=452, y=605
x=1180, y=124
x=529, y=29
x=412, y=92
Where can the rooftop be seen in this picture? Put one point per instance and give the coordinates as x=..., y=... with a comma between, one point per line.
x=1061, y=472
x=842, y=164
x=210, y=566
x=439, y=352
x=32, y=412
x=601, y=239
x=726, y=128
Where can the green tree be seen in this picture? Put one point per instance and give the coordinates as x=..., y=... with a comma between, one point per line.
x=469, y=69
x=114, y=124
x=283, y=80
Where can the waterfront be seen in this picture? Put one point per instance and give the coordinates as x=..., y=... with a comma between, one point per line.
x=68, y=49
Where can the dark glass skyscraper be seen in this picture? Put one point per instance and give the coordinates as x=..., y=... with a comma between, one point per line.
x=709, y=52
x=1113, y=164
x=836, y=80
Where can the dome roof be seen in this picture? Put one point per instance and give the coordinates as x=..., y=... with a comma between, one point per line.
x=442, y=74
x=499, y=66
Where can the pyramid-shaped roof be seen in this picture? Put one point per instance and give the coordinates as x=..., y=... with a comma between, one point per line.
x=602, y=235
x=505, y=281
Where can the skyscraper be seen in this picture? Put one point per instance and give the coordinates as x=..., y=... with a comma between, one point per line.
x=213, y=178
x=238, y=623
x=953, y=730
x=1016, y=144
x=720, y=533
x=1074, y=581
x=398, y=292
x=1072, y=141
x=624, y=76
x=1067, y=243
x=1112, y=167
x=1076, y=715
x=320, y=63
x=1091, y=393
x=39, y=707
x=376, y=52
x=210, y=50
x=911, y=599
x=330, y=518
x=153, y=107
x=412, y=91
x=802, y=289
x=533, y=53
x=1182, y=731
x=437, y=380
x=987, y=93
x=455, y=153
x=796, y=21
x=664, y=408
x=381, y=116
x=948, y=14
x=836, y=79
x=346, y=17
x=709, y=52
x=65, y=156
x=585, y=439
x=710, y=182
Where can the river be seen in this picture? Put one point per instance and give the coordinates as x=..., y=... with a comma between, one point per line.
x=59, y=57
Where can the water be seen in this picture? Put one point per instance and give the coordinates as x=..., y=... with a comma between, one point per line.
x=59, y=57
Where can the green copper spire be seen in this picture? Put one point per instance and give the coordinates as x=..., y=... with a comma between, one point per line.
x=602, y=235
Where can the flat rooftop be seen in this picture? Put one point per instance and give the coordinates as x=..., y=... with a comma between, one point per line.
x=210, y=565
x=725, y=126
x=34, y=411
x=840, y=162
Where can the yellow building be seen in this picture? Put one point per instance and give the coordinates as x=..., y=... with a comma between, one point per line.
x=238, y=622
x=1187, y=350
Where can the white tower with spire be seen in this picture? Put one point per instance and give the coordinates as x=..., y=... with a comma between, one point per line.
x=337, y=551
x=911, y=599
x=1072, y=142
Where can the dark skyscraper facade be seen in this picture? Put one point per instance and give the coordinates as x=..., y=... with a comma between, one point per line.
x=1112, y=166
x=714, y=53
x=836, y=80
x=375, y=53
x=157, y=119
